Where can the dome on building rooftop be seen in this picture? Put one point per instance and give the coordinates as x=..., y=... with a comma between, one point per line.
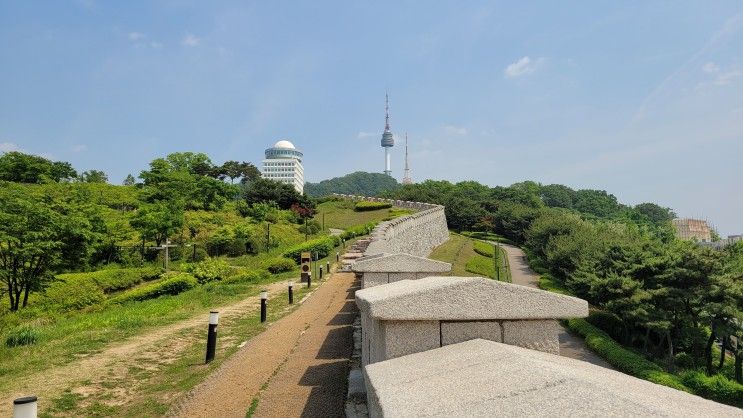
x=284, y=144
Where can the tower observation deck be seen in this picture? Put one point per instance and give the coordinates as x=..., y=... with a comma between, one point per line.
x=388, y=141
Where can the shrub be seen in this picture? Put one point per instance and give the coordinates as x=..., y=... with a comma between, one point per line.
x=209, y=270
x=247, y=277
x=172, y=285
x=358, y=230
x=622, y=359
x=72, y=294
x=312, y=227
x=322, y=246
x=20, y=336
x=113, y=280
x=685, y=360
x=718, y=387
x=279, y=265
x=364, y=206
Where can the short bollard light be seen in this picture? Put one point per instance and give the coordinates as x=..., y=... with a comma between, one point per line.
x=264, y=299
x=211, y=338
x=321, y=272
x=291, y=292
x=26, y=407
x=309, y=280
x=327, y=267
x=337, y=256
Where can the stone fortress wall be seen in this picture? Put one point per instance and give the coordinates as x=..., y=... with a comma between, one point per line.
x=416, y=234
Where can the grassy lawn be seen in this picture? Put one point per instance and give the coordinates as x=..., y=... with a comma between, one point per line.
x=470, y=257
x=340, y=214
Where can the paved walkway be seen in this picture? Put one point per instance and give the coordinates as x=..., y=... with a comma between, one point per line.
x=297, y=367
x=570, y=345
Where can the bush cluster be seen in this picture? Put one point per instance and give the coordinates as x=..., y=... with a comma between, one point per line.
x=607, y=322
x=364, y=206
x=322, y=246
x=481, y=265
x=209, y=270
x=173, y=285
x=358, y=230
x=624, y=360
x=279, y=265
x=113, y=280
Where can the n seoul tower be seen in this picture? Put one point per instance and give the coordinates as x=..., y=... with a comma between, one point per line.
x=387, y=140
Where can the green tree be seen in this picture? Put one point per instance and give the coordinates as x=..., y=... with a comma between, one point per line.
x=129, y=180
x=158, y=221
x=25, y=168
x=94, y=176
x=655, y=213
x=32, y=238
x=265, y=190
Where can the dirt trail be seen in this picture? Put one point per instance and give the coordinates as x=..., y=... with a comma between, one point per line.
x=157, y=347
x=570, y=345
x=297, y=367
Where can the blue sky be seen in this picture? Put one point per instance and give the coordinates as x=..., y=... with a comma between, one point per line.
x=642, y=99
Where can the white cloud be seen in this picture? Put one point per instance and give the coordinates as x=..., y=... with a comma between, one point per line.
x=710, y=68
x=455, y=130
x=79, y=148
x=156, y=45
x=190, y=40
x=136, y=36
x=720, y=76
x=523, y=66
x=9, y=147
x=364, y=135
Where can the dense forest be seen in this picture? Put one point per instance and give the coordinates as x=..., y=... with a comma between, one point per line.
x=358, y=183
x=673, y=301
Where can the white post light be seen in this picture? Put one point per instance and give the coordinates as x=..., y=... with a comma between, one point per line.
x=26, y=407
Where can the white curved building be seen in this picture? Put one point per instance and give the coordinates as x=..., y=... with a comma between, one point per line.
x=283, y=163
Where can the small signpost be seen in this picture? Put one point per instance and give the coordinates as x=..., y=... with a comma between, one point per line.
x=165, y=247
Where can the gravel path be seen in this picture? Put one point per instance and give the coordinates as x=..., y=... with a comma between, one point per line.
x=570, y=345
x=297, y=367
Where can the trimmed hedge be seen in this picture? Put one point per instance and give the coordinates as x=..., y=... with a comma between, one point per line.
x=364, y=206
x=322, y=246
x=113, y=280
x=174, y=285
x=279, y=265
x=718, y=387
x=622, y=359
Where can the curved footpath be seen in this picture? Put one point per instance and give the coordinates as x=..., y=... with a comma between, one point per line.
x=571, y=346
x=296, y=367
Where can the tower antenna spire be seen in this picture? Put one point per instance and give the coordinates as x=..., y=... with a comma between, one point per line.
x=386, y=112
x=406, y=177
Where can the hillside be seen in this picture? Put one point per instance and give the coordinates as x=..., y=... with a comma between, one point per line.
x=358, y=183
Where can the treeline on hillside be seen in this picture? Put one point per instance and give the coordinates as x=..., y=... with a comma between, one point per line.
x=19, y=167
x=668, y=299
x=54, y=225
x=358, y=183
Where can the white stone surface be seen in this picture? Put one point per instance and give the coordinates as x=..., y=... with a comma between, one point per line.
x=400, y=338
x=399, y=263
x=461, y=331
x=481, y=378
x=465, y=298
x=541, y=335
